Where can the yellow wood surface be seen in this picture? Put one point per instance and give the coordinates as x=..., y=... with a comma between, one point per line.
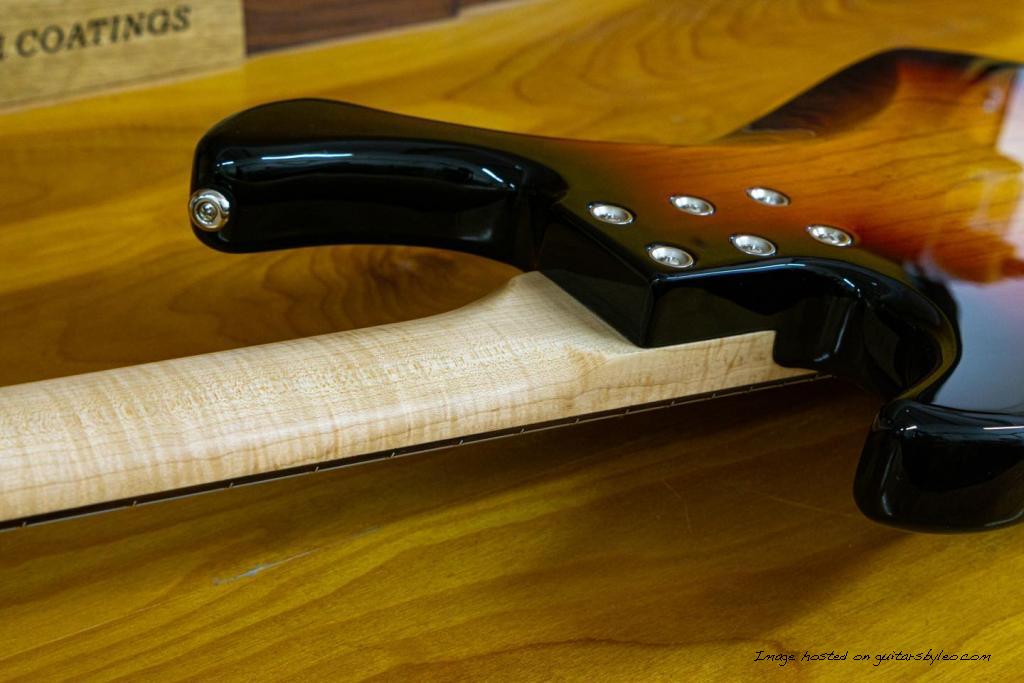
x=53, y=49
x=668, y=545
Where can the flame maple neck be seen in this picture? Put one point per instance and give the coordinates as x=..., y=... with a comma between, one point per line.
x=527, y=355
x=911, y=159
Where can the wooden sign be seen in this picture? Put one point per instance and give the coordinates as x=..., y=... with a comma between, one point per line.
x=50, y=49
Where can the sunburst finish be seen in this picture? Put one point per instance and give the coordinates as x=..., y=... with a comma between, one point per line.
x=915, y=155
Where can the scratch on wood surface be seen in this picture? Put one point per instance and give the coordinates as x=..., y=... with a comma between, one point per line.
x=670, y=488
x=270, y=565
x=686, y=508
x=806, y=506
x=259, y=568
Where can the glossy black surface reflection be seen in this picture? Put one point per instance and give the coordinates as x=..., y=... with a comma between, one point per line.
x=946, y=452
x=313, y=172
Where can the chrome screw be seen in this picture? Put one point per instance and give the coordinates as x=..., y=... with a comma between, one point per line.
x=753, y=245
x=826, y=234
x=767, y=196
x=209, y=210
x=695, y=206
x=610, y=213
x=668, y=255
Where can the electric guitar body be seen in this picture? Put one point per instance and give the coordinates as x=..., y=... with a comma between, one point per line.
x=779, y=330
x=799, y=223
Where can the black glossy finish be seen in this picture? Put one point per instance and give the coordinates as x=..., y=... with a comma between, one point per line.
x=944, y=454
x=314, y=172
x=930, y=467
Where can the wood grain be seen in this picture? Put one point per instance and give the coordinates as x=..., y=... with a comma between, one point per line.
x=101, y=270
x=662, y=546
x=526, y=355
x=270, y=25
x=836, y=151
x=52, y=49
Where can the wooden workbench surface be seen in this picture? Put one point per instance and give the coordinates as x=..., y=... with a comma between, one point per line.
x=667, y=545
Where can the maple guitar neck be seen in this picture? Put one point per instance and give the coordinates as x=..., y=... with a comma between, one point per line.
x=527, y=355
x=781, y=251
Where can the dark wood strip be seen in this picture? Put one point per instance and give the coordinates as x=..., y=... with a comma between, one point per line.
x=271, y=25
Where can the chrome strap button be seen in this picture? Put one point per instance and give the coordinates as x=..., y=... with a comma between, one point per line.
x=209, y=210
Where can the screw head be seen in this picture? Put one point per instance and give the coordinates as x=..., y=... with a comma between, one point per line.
x=767, y=196
x=826, y=234
x=753, y=245
x=610, y=213
x=671, y=256
x=209, y=210
x=695, y=206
